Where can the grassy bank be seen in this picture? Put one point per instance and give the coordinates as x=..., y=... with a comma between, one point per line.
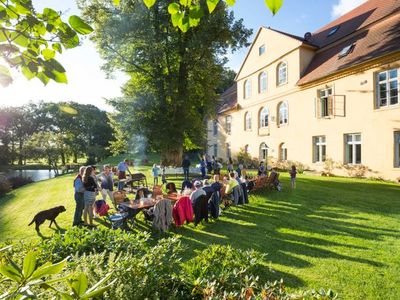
x=330, y=232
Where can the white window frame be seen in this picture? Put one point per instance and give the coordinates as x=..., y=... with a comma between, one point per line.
x=263, y=151
x=283, y=152
x=247, y=89
x=324, y=96
x=282, y=70
x=247, y=121
x=228, y=124
x=397, y=149
x=261, y=50
x=351, y=147
x=283, y=110
x=215, y=128
x=262, y=82
x=319, y=147
x=228, y=150
x=387, y=81
x=264, y=117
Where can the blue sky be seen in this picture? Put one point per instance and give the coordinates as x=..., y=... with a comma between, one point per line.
x=88, y=83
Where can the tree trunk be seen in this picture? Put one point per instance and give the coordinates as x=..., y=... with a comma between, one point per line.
x=172, y=157
x=75, y=157
x=63, y=158
x=20, y=155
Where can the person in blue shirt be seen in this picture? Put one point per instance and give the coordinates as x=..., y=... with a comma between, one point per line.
x=154, y=172
x=78, y=195
x=123, y=167
x=107, y=183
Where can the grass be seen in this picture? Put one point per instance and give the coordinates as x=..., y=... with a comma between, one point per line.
x=337, y=233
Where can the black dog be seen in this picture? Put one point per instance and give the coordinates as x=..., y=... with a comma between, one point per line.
x=50, y=214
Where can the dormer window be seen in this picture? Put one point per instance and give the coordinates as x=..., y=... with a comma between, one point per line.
x=346, y=50
x=261, y=50
x=333, y=30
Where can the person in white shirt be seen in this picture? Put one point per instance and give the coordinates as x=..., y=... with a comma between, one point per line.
x=197, y=192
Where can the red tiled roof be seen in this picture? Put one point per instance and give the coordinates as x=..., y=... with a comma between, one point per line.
x=228, y=99
x=379, y=39
x=362, y=16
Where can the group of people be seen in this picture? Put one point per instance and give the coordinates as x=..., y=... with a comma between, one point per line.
x=87, y=185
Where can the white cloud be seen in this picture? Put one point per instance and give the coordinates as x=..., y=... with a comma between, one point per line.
x=344, y=6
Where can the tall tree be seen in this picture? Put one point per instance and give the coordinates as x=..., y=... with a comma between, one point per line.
x=173, y=75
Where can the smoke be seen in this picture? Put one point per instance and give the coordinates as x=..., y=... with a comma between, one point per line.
x=138, y=147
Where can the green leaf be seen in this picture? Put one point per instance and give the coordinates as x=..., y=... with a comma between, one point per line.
x=184, y=24
x=47, y=268
x=230, y=2
x=5, y=79
x=176, y=18
x=60, y=77
x=45, y=80
x=79, y=25
x=173, y=8
x=149, y=3
x=29, y=264
x=185, y=2
x=9, y=271
x=274, y=5
x=27, y=73
x=57, y=47
x=65, y=296
x=48, y=54
x=79, y=284
x=116, y=2
x=212, y=4
x=19, y=39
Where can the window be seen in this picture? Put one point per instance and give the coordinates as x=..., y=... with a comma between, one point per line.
x=282, y=152
x=216, y=150
x=228, y=124
x=283, y=113
x=247, y=89
x=319, y=151
x=261, y=50
x=228, y=150
x=247, y=121
x=333, y=30
x=346, y=50
x=262, y=82
x=215, y=127
x=325, y=103
x=264, y=113
x=397, y=149
x=353, y=148
x=263, y=152
x=247, y=149
x=388, y=88
x=282, y=73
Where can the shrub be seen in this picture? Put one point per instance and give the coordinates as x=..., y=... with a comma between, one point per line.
x=5, y=186
x=85, y=241
x=244, y=158
x=19, y=181
x=358, y=171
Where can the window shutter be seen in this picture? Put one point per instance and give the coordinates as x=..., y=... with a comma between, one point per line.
x=330, y=106
x=317, y=109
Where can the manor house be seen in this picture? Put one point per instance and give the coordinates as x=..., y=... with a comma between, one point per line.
x=332, y=94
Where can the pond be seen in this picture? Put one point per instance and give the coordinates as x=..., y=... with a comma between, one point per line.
x=36, y=175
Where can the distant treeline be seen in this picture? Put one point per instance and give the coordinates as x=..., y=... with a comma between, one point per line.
x=54, y=132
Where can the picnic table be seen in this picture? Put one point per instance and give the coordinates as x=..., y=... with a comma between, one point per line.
x=144, y=203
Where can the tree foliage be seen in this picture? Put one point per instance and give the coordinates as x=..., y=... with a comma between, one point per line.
x=188, y=13
x=29, y=41
x=173, y=75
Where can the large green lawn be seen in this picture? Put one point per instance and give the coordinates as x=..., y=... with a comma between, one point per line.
x=330, y=232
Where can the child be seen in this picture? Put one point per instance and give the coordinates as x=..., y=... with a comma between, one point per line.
x=293, y=173
x=154, y=172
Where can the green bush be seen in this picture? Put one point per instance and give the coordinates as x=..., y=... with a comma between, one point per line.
x=85, y=241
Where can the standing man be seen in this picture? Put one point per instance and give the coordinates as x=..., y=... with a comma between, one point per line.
x=203, y=168
x=78, y=195
x=123, y=167
x=107, y=183
x=186, y=166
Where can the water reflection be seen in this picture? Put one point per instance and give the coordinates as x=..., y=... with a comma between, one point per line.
x=35, y=175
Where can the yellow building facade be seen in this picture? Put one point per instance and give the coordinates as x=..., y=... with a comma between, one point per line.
x=325, y=96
